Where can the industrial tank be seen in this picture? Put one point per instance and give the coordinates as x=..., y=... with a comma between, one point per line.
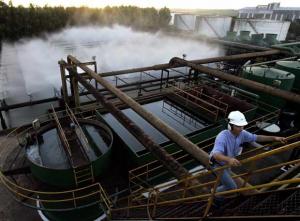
x=53, y=164
x=68, y=156
x=231, y=36
x=292, y=67
x=271, y=39
x=273, y=77
x=257, y=39
x=244, y=36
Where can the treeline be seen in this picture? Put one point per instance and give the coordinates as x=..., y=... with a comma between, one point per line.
x=18, y=22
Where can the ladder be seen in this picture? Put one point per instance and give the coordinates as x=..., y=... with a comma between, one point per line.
x=83, y=175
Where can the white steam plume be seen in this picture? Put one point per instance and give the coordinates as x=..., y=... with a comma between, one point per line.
x=115, y=48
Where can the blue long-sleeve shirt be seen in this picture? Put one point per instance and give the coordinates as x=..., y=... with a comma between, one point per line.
x=229, y=145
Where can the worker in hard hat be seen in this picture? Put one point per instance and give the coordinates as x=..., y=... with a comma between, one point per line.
x=228, y=145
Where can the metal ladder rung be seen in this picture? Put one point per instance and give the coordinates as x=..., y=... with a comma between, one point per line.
x=81, y=181
x=82, y=170
x=84, y=175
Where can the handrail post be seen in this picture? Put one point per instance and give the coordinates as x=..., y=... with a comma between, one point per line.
x=212, y=196
x=129, y=204
x=155, y=202
x=185, y=188
x=74, y=199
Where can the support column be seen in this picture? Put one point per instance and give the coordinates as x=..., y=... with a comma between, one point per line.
x=74, y=84
x=63, y=82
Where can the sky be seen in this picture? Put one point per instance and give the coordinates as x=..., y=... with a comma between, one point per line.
x=184, y=4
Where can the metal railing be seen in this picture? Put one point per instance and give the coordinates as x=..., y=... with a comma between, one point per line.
x=60, y=200
x=141, y=175
x=181, y=193
x=50, y=200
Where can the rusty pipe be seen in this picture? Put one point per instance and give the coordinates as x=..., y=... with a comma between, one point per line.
x=166, y=159
x=168, y=131
x=290, y=96
x=138, y=133
x=198, y=61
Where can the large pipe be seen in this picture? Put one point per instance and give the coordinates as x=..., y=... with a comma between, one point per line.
x=198, y=61
x=167, y=160
x=238, y=80
x=168, y=131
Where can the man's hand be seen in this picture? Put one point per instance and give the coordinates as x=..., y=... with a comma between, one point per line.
x=280, y=139
x=234, y=162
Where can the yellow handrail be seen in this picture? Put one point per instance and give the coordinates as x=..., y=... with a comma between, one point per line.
x=205, y=196
x=251, y=159
x=132, y=172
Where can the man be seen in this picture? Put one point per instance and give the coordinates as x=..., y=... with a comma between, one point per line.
x=228, y=146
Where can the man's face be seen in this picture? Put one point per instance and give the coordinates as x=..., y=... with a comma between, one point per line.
x=237, y=129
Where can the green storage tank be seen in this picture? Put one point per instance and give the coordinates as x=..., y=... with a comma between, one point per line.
x=270, y=39
x=64, y=169
x=258, y=39
x=244, y=36
x=292, y=67
x=231, y=36
x=273, y=77
x=49, y=161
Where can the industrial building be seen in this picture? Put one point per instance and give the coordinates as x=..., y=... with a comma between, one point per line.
x=272, y=11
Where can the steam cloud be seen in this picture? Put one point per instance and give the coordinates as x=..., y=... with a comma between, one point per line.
x=115, y=48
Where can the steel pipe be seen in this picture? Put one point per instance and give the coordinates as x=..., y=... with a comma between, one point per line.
x=168, y=131
x=166, y=159
x=290, y=96
x=198, y=61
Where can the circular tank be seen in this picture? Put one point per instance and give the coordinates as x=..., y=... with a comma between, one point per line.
x=292, y=67
x=231, y=35
x=257, y=39
x=244, y=36
x=270, y=39
x=273, y=77
x=50, y=161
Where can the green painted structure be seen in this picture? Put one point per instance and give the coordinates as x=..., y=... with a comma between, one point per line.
x=258, y=39
x=273, y=77
x=231, y=36
x=292, y=67
x=270, y=39
x=65, y=177
x=244, y=36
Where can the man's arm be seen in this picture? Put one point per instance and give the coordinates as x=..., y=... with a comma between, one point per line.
x=263, y=138
x=231, y=161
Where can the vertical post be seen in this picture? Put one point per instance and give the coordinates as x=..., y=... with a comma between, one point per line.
x=3, y=124
x=74, y=83
x=76, y=91
x=185, y=187
x=74, y=199
x=63, y=82
x=155, y=202
x=161, y=78
x=212, y=196
x=96, y=71
x=140, y=84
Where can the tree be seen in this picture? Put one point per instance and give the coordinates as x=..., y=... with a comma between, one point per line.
x=164, y=15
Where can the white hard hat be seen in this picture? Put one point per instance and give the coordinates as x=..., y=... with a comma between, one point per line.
x=237, y=118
